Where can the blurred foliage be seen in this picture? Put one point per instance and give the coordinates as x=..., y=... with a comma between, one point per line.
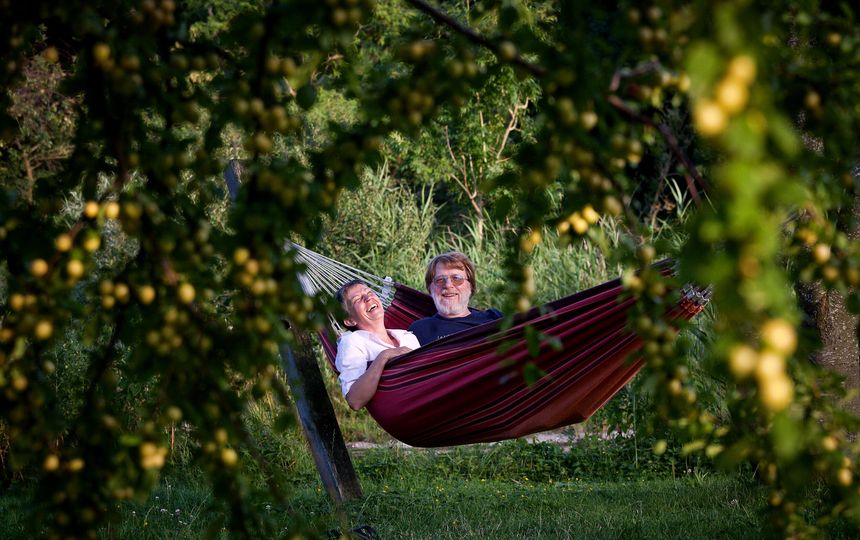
x=721, y=134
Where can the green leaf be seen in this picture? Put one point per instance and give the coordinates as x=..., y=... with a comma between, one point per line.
x=553, y=342
x=130, y=439
x=787, y=436
x=306, y=96
x=784, y=135
x=532, y=340
x=692, y=447
x=505, y=346
x=703, y=65
x=735, y=454
x=532, y=373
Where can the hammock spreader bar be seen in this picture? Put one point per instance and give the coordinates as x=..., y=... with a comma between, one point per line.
x=461, y=389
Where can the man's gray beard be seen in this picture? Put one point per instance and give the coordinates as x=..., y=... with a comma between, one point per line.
x=445, y=311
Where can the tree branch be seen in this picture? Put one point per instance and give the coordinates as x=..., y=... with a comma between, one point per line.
x=512, y=125
x=464, y=183
x=448, y=144
x=30, y=180
x=627, y=73
x=474, y=37
x=692, y=176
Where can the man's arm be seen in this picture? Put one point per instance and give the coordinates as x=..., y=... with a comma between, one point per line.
x=363, y=389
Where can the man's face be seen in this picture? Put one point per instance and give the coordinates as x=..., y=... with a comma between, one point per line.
x=451, y=291
x=363, y=307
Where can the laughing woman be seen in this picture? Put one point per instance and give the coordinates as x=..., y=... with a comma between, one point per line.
x=363, y=353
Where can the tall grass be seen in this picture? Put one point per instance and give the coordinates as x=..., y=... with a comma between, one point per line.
x=382, y=228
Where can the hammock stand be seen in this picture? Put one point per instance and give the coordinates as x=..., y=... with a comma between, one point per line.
x=313, y=407
x=470, y=387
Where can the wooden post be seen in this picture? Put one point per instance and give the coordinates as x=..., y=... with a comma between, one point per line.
x=319, y=423
x=316, y=413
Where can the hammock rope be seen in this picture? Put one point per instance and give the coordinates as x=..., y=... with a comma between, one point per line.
x=326, y=275
x=471, y=386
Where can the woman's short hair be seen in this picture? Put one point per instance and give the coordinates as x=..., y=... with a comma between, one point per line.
x=453, y=259
x=340, y=295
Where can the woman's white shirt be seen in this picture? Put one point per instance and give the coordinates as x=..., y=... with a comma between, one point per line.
x=355, y=349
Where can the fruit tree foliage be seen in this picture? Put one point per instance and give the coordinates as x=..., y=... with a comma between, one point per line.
x=110, y=228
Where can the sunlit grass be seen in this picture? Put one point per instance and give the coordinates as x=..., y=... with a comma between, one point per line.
x=511, y=490
x=456, y=508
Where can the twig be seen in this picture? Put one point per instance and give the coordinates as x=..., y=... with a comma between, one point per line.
x=691, y=176
x=30, y=180
x=454, y=158
x=641, y=69
x=169, y=273
x=474, y=37
x=97, y=369
x=483, y=128
x=448, y=143
x=464, y=183
x=512, y=125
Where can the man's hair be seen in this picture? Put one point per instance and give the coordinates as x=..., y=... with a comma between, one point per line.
x=340, y=295
x=453, y=259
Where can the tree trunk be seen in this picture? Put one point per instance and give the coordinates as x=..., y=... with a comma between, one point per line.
x=836, y=326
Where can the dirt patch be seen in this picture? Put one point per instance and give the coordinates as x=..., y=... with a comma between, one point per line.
x=565, y=438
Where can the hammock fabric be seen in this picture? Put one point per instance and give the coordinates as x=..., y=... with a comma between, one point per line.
x=469, y=388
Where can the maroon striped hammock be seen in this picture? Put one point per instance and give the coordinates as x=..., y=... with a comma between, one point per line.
x=472, y=386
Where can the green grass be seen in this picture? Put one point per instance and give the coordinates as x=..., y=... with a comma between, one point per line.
x=13, y=510
x=716, y=507
x=456, y=508
x=596, y=489
x=510, y=490
x=457, y=494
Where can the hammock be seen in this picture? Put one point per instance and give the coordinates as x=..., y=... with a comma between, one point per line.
x=468, y=387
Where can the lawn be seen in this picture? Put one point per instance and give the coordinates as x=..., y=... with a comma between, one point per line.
x=712, y=507
x=458, y=494
x=592, y=488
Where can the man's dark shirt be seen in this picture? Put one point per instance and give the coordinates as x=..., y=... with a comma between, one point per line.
x=436, y=327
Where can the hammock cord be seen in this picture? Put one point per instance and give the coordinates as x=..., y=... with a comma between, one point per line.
x=322, y=274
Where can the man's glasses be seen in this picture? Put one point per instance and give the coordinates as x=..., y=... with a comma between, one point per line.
x=456, y=280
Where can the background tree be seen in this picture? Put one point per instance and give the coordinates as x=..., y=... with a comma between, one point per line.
x=121, y=248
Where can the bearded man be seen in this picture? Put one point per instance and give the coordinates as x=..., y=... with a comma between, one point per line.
x=450, y=279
